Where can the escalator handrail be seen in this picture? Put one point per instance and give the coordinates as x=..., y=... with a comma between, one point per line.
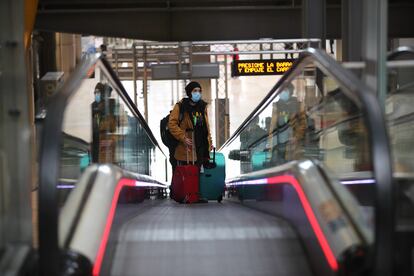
x=91, y=206
x=374, y=118
x=292, y=169
x=314, y=187
x=402, y=52
x=49, y=156
x=304, y=58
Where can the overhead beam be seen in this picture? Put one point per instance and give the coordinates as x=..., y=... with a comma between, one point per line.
x=177, y=25
x=203, y=23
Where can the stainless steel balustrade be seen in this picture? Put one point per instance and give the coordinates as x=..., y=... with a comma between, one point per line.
x=342, y=233
x=125, y=140
x=341, y=107
x=85, y=220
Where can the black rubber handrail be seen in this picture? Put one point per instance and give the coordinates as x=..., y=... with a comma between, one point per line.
x=291, y=168
x=403, y=52
x=304, y=59
x=49, y=259
x=50, y=150
x=113, y=172
x=374, y=118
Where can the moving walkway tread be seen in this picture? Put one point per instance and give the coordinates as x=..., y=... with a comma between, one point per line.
x=167, y=238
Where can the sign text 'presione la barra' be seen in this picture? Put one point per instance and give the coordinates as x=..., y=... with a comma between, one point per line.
x=261, y=67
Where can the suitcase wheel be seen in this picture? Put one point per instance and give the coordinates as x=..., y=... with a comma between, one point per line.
x=220, y=198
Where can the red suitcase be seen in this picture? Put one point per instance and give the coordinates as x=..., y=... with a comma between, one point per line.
x=185, y=183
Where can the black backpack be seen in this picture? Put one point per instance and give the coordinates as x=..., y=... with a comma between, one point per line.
x=167, y=138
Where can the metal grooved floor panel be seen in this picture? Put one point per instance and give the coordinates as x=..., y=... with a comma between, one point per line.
x=167, y=238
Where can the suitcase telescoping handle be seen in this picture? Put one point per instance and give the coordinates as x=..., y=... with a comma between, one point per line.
x=213, y=165
x=193, y=146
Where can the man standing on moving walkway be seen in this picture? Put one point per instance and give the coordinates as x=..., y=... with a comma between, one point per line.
x=97, y=114
x=103, y=124
x=194, y=119
x=284, y=110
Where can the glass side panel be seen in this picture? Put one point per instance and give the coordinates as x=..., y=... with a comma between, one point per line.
x=100, y=126
x=309, y=118
x=399, y=108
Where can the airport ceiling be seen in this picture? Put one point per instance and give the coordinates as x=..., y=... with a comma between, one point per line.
x=197, y=20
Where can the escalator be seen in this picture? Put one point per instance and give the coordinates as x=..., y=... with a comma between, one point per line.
x=252, y=238
x=286, y=211
x=205, y=239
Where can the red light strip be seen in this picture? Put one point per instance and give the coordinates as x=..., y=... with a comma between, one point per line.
x=327, y=251
x=102, y=247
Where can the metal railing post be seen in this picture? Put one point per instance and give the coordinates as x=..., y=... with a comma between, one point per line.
x=134, y=72
x=145, y=84
x=116, y=63
x=226, y=99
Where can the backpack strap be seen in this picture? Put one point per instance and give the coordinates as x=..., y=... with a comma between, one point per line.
x=181, y=115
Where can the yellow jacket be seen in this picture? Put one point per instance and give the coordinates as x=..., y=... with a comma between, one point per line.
x=179, y=132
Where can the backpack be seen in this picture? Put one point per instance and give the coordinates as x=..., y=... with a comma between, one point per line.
x=167, y=138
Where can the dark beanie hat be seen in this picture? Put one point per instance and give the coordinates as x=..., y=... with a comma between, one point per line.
x=100, y=87
x=189, y=88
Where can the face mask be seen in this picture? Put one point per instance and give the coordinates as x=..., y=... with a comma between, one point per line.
x=284, y=96
x=195, y=96
x=97, y=98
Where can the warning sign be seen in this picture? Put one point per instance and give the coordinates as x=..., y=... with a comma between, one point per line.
x=261, y=67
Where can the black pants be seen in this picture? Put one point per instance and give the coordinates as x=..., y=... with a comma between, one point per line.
x=173, y=161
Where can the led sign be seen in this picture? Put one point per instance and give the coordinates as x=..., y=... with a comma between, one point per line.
x=261, y=67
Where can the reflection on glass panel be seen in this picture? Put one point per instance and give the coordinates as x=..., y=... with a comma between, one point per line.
x=309, y=118
x=399, y=111
x=101, y=120
x=399, y=114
